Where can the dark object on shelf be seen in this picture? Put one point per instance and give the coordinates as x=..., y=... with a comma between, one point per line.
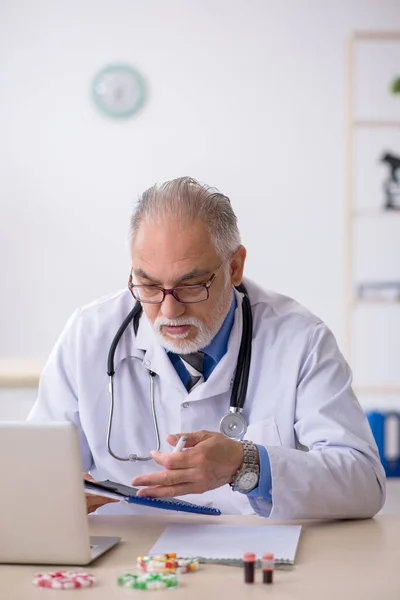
x=379, y=290
x=391, y=185
x=395, y=87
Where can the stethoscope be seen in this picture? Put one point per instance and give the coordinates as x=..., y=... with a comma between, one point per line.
x=233, y=424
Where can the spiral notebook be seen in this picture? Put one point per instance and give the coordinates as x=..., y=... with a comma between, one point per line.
x=226, y=544
x=118, y=491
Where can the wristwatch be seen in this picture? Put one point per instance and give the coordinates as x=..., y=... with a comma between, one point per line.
x=247, y=478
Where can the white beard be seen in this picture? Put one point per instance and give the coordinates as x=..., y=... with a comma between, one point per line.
x=205, y=332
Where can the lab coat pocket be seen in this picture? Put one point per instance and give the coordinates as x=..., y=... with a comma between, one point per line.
x=264, y=432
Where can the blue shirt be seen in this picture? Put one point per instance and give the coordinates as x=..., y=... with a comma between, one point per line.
x=212, y=355
x=213, y=352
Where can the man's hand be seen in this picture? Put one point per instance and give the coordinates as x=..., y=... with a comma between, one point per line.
x=211, y=460
x=93, y=501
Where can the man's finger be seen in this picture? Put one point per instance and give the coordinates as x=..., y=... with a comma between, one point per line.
x=192, y=438
x=94, y=502
x=173, y=438
x=163, y=491
x=171, y=460
x=165, y=478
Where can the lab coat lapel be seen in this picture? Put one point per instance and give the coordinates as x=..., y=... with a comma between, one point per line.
x=155, y=357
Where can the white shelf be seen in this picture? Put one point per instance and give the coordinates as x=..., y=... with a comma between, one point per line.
x=376, y=124
x=377, y=389
x=358, y=302
x=370, y=211
x=376, y=35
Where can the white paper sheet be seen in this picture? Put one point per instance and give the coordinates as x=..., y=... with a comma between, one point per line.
x=221, y=543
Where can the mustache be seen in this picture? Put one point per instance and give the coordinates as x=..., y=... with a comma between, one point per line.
x=179, y=321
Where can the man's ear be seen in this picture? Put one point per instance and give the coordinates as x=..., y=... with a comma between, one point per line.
x=237, y=265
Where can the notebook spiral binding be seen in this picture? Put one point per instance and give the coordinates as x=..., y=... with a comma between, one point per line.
x=183, y=507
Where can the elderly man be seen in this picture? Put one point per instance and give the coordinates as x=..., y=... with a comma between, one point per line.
x=306, y=449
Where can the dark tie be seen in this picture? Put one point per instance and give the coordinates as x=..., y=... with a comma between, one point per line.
x=194, y=365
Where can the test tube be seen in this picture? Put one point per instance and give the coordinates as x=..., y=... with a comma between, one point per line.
x=267, y=565
x=249, y=561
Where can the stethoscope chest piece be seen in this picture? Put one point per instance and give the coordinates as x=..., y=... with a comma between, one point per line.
x=233, y=425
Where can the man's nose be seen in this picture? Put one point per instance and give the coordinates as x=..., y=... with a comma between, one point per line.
x=171, y=308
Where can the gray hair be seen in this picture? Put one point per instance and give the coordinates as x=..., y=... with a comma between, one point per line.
x=187, y=200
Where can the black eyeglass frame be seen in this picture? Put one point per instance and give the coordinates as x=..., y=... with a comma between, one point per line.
x=172, y=291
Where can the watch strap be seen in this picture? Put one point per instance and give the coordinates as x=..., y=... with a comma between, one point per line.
x=250, y=463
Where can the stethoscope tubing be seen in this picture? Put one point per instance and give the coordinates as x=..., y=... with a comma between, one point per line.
x=240, y=383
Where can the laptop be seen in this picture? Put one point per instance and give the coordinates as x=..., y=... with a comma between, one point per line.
x=43, y=517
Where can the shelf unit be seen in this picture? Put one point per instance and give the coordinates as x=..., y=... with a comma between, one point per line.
x=359, y=302
x=375, y=212
x=355, y=124
x=376, y=123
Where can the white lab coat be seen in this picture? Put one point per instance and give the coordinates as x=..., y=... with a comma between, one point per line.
x=299, y=405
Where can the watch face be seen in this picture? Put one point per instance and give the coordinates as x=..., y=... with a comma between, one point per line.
x=247, y=481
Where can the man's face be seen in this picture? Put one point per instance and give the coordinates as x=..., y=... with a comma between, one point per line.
x=172, y=255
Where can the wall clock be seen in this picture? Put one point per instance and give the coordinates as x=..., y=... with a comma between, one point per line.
x=118, y=91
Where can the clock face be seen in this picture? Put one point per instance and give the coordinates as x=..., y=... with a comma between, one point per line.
x=118, y=91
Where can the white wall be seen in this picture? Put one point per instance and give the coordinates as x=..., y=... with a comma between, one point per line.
x=245, y=95
x=16, y=403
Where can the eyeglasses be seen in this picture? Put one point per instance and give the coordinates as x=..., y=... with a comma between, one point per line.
x=186, y=294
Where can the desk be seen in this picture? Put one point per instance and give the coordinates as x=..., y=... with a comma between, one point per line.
x=355, y=560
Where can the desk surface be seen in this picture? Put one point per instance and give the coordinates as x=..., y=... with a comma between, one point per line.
x=335, y=560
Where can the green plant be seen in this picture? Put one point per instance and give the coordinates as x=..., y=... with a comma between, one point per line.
x=395, y=86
